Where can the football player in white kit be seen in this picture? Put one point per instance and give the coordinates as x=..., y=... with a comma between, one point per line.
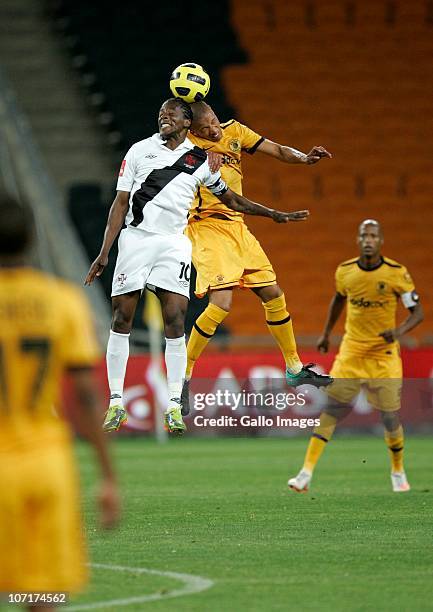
x=157, y=183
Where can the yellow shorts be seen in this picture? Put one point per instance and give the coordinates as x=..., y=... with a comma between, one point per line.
x=226, y=254
x=381, y=379
x=41, y=542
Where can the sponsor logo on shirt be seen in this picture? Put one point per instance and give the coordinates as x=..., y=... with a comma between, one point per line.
x=363, y=303
x=150, y=156
x=229, y=160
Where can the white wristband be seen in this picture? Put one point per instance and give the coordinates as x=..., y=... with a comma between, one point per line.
x=410, y=299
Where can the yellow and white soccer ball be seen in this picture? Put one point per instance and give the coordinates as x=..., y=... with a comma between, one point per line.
x=189, y=82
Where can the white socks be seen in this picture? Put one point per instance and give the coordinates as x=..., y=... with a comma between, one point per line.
x=117, y=358
x=175, y=361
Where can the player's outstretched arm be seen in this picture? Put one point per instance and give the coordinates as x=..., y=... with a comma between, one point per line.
x=241, y=204
x=90, y=426
x=116, y=218
x=415, y=317
x=289, y=155
x=335, y=309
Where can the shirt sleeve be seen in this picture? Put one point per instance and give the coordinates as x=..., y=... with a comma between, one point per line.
x=405, y=288
x=125, y=180
x=79, y=344
x=250, y=140
x=214, y=182
x=339, y=282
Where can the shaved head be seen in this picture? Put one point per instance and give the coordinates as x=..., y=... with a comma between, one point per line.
x=199, y=109
x=205, y=123
x=372, y=222
x=370, y=241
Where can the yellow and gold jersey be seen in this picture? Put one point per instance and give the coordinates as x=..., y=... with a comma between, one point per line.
x=235, y=139
x=45, y=328
x=372, y=297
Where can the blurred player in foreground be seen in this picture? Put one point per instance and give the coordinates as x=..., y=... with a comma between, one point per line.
x=45, y=332
x=371, y=286
x=156, y=187
x=226, y=254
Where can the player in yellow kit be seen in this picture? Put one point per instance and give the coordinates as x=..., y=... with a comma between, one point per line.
x=369, y=356
x=226, y=254
x=45, y=330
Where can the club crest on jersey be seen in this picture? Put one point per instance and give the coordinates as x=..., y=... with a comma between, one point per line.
x=235, y=145
x=121, y=280
x=381, y=287
x=190, y=161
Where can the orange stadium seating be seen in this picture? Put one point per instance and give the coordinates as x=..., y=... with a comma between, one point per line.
x=353, y=76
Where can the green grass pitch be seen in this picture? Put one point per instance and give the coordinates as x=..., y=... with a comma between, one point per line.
x=220, y=509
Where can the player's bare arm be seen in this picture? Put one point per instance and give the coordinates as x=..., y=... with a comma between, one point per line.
x=335, y=309
x=241, y=204
x=415, y=318
x=116, y=218
x=90, y=426
x=289, y=155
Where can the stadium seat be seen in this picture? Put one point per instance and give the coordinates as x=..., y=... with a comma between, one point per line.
x=316, y=69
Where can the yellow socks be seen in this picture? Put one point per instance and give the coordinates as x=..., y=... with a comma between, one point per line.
x=321, y=436
x=202, y=331
x=280, y=326
x=395, y=442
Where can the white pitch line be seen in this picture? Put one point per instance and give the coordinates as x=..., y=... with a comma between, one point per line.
x=193, y=584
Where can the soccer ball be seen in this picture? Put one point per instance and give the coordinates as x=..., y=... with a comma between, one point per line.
x=189, y=82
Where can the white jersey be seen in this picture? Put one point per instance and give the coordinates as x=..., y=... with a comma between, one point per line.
x=162, y=183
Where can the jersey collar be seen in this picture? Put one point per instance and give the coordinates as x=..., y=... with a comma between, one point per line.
x=379, y=263
x=186, y=144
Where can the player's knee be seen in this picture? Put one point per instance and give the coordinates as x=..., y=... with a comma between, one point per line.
x=271, y=293
x=391, y=420
x=121, y=321
x=338, y=410
x=174, y=322
x=222, y=299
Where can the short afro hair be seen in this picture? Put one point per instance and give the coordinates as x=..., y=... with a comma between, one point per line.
x=16, y=226
x=184, y=106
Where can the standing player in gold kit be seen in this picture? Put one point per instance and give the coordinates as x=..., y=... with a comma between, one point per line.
x=225, y=253
x=371, y=285
x=45, y=331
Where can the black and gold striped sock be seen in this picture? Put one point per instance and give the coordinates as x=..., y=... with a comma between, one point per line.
x=202, y=331
x=280, y=326
x=395, y=443
x=321, y=436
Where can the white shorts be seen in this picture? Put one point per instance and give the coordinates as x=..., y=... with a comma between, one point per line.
x=152, y=260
